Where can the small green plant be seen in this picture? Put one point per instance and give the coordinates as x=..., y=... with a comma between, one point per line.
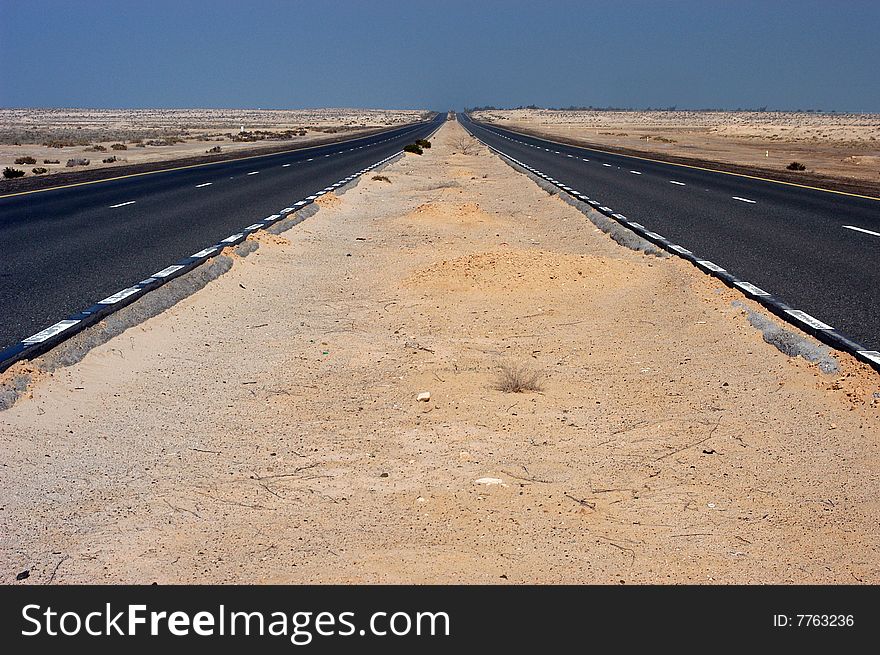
x=119, y=146
x=413, y=148
x=10, y=173
x=51, y=161
x=39, y=170
x=796, y=166
x=424, y=143
x=25, y=160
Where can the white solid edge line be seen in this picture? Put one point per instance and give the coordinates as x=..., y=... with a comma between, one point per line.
x=873, y=355
x=861, y=229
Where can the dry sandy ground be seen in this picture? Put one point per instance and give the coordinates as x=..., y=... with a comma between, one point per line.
x=840, y=145
x=201, y=129
x=266, y=429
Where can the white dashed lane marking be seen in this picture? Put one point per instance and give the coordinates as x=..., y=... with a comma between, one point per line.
x=199, y=186
x=861, y=229
x=608, y=165
x=752, y=202
x=678, y=183
x=123, y=204
x=284, y=165
x=635, y=172
x=253, y=173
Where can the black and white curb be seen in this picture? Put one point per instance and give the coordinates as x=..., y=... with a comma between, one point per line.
x=46, y=339
x=804, y=321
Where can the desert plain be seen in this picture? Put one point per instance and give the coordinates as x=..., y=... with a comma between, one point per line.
x=52, y=137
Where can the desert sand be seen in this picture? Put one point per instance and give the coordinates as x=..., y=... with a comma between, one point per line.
x=845, y=146
x=267, y=429
x=149, y=135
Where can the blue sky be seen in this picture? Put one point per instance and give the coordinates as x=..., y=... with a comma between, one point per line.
x=440, y=55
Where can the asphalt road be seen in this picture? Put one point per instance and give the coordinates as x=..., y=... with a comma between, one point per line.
x=817, y=251
x=64, y=249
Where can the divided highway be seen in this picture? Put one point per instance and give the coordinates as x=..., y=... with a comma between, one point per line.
x=66, y=248
x=817, y=251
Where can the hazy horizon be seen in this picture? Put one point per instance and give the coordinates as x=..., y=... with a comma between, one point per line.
x=293, y=55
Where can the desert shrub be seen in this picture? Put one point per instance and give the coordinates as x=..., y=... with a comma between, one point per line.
x=109, y=160
x=97, y=148
x=140, y=145
x=39, y=170
x=517, y=378
x=25, y=160
x=9, y=173
x=167, y=141
x=424, y=143
x=796, y=166
x=119, y=146
x=214, y=149
x=51, y=161
x=382, y=178
x=413, y=147
x=467, y=145
x=77, y=161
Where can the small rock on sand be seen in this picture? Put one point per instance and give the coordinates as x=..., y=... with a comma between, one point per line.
x=424, y=396
x=490, y=481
